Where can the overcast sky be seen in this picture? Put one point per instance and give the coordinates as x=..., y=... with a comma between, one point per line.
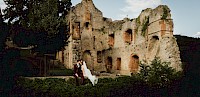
x=185, y=13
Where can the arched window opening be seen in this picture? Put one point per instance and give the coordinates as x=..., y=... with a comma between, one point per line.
x=153, y=43
x=128, y=36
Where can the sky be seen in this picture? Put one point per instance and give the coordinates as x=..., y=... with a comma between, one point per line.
x=185, y=14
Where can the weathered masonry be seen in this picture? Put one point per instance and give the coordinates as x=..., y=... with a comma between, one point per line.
x=118, y=46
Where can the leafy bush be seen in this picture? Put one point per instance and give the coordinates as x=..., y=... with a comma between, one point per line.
x=158, y=73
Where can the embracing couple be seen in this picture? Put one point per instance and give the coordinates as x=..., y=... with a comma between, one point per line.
x=81, y=70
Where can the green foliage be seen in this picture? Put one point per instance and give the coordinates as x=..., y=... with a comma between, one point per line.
x=60, y=87
x=137, y=24
x=156, y=79
x=119, y=87
x=189, y=53
x=145, y=26
x=138, y=20
x=4, y=32
x=158, y=73
x=40, y=88
x=36, y=22
x=36, y=14
x=165, y=13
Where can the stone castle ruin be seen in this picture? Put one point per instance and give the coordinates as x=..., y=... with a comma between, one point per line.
x=118, y=46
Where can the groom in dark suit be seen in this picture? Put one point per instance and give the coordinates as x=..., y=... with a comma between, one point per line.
x=78, y=72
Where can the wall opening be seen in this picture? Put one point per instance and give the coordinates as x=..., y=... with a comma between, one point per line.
x=128, y=36
x=99, y=56
x=94, y=40
x=111, y=40
x=76, y=30
x=104, y=19
x=87, y=24
x=153, y=42
x=155, y=38
x=109, y=64
x=88, y=59
x=118, y=63
x=134, y=63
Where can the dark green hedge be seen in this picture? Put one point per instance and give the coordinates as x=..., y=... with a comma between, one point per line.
x=61, y=72
x=155, y=80
x=127, y=86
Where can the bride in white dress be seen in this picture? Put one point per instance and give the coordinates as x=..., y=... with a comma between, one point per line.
x=87, y=73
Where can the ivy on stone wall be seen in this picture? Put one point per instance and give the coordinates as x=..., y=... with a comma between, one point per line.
x=165, y=13
x=138, y=20
x=137, y=24
x=145, y=26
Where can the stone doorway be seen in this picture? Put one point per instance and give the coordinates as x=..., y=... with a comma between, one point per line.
x=118, y=63
x=109, y=64
x=134, y=63
x=88, y=59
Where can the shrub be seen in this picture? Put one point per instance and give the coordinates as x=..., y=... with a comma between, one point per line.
x=158, y=73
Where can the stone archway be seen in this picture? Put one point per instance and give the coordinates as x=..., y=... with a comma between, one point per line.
x=88, y=59
x=134, y=63
x=128, y=36
x=153, y=47
x=153, y=42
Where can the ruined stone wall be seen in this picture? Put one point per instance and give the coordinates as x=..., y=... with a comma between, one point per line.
x=119, y=46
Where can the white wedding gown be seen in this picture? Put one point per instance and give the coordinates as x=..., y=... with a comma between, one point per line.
x=87, y=73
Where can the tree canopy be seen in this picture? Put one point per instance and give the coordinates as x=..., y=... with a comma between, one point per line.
x=38, y=22
x=3, y=32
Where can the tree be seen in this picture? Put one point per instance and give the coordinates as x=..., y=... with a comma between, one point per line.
x=42, y=19
x=3, y=32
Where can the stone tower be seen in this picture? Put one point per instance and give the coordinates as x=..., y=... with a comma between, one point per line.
x=119, y=46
